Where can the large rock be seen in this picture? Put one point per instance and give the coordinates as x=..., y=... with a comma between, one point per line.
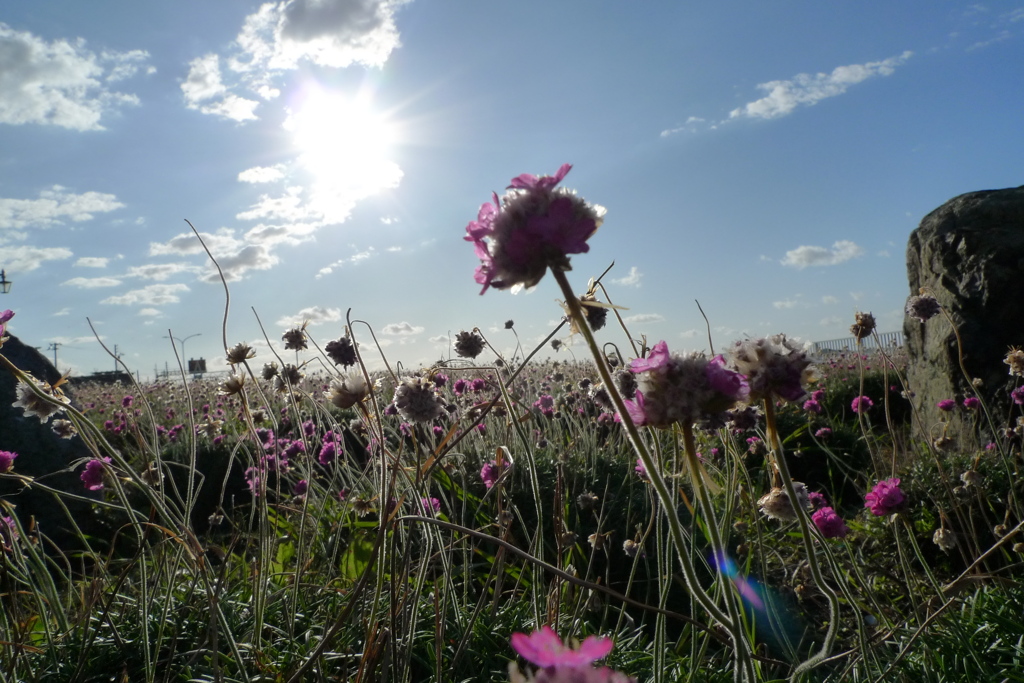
x=969, y=254
x=41, y=453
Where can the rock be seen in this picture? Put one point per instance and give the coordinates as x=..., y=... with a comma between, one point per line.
x=969, y=254
x=41, y=453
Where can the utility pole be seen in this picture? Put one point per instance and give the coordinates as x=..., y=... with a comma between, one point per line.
x=53, y=347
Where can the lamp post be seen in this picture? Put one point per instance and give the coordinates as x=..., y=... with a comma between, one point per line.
x=5, y=284
x=182, y=342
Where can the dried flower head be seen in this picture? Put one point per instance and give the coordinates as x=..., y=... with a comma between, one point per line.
x=240, y=352
x=945, y=539
x=597, y=314
x=232, y=385
x=348, y=391
x=32, y=403
x=65, y=429
x=776, y=504
x=509, y=324
x=863, y=325
x=342, y=352
x=469, y=344
x=416, y=400
x=1015, y=359
x=295, y=338
x=288, y=379
x=536, y=225
x=776, y=367
x=923, y=308
x=270, y=370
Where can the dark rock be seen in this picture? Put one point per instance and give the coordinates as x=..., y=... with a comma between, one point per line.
x=41, y=453
x=968, y=254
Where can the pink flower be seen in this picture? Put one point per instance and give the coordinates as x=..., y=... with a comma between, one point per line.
x=544, y=648
x=812, y=406
x=972, y=403
x=635, y=408
x=823, y=433
x=641, y=470
x=885, y=498
x=430, y=505
x=7, y=460
x=490, y=473
x=1018, y=395
x=861, y=404
x=946, y=405
x=92, y=477
x=829, y=523
x=655, y=360
x=533, y=227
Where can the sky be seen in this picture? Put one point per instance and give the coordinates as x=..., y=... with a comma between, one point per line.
x=767, y=160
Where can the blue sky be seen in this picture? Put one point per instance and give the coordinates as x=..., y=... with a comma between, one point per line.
x=766, y=159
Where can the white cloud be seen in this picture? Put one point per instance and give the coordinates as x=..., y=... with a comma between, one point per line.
x=354, y=259
x=688, y=334
x=644, y=318
x=62, y=312
x=53, y=207
x=150, y=312
x=236, y=265
x=92, y=262
x=92, y=282
x=27, y=258
x=59, y=83
x=441, y=339
x=158, y=271
x=691, y=125
x=152, y=295
x=262, y=174
x=205, y=92
x=808, y=89
x=222, y=242
x=630, y=280
x=828, y=299
x=788, y=303
x=831, y=320
x=401, y=329
x=315, y=315
x=804, y=256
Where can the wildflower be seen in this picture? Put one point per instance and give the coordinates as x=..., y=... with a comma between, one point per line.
x=42, y=408
x=823, y=433
x=971, y=478
x=532, y=227
x=509, y=324
x=945, y=539
x=328, y=451
x=490, y=473
x=683, y=389
x=588, y=500
x=7, y=461
x=269, y=370
x=65, y=429
x=430, y=505
x=254, y=479
x=1018, y=395
x=776, y=503
x=812, y=406
x=92, y=477
x=416, y=401
x=348, y=391
x=597, y=315
x=641, y=471
x=972, y=403
x=8, y=530
x=922, y=308
x=468, y=344
x=863, y=326
x=544, y=648
x=341, y=351
x=232, y=385
x=240, y=352
x=885, y=497
x=301, y=487
x=946, y=405
x=288, y=379
x=861, y=404
x=774, y=366
x=295, y=338
x=829, y=523
x=817, y=500
x=1015, y=359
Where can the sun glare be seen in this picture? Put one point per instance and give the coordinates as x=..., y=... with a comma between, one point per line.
x=345, y=145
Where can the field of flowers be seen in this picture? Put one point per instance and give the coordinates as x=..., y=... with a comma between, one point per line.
x=643, y=515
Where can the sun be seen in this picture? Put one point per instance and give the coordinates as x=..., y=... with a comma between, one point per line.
x=346, y=146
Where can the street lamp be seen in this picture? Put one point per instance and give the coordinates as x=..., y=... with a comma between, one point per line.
x=5, y=284
x=182, y=342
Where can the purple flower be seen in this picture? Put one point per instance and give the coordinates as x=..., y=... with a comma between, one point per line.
x=641, y=470
x=972, y=403
x=946, y=405
x=7, y=460
x=812, y=406
x=544, y=648
x=533, y=227
x=635, y=408
x=430, y=505
x=885, y=497
x=829, y=523
x=92, y=477
x=818, y=500
x=655, y=360
x=300, y=488
x=478, y=385
x=1018, y=395
x=8, y=527
x=490, y=473
x=861, y=404
x=459, y=388
x=823, y=433
x=328, y=452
